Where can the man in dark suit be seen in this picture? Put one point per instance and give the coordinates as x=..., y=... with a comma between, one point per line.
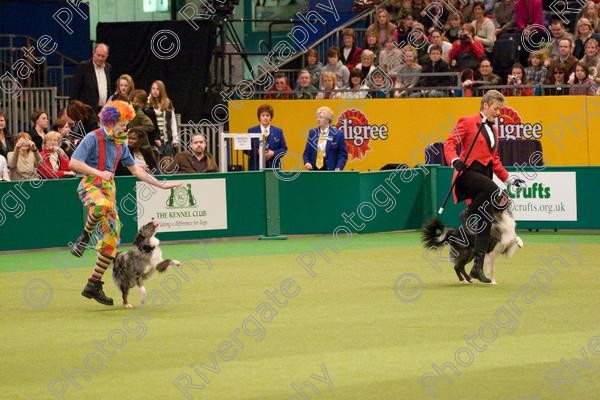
x=475, y=183
x=91, y=83
x=275, y=147
x=325, y=147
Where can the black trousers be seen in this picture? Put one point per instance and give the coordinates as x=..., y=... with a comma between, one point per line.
x=479, y=187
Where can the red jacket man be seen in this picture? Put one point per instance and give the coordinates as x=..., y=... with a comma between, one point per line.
x=475, y=180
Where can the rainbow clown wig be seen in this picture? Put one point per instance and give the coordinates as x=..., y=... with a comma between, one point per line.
x=114, y=112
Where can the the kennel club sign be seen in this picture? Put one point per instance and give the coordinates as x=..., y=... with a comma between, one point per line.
x=548, y=196
x=196, y=205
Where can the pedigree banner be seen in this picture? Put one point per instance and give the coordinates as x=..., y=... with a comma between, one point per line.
x=393, y=131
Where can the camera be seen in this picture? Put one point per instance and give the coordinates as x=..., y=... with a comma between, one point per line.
x=513, y=78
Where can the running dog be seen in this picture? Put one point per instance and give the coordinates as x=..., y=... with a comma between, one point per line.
x=503, y=241
x=138, y=264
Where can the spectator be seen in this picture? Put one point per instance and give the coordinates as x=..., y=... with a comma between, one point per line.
x=355, y=90
x=515, y=79
x=350, y=54
x=404, y=28
x=25, y=158
x=275, y=146
x=325, y=146
x=453, y=27
x=417, y=9
x=419, y=41
x=125, y=87
x=558, y=78
x=565, y=58
x=485, y=77
x=590, y=11
x=140, y=151
x=433, y=17
x=485, y=32
x=467, y=51
x=434, y=64
x=465, y=8
x=527, y=13
x=379, y=84
x=590, y=57
x=328, y=86
x=40, y=127
x=583, y=33
x=139, y=101
x=280, y=90
x=91, y=83
x=583, y=84
x=197, y=159
x=366, y=63
x=304, y=89
x=335, y=65
x=557, y=28
x=65, y=143
x=4, y=174
x=6, y=140
x=373, y=43
x=165, y=117
x=504, y=17
x=390, y=58
x=314, y=66
x=55, y=162
x=384, y=27
x=404, y=83
x=437, y=38
x=536, y=73
x=81, y=119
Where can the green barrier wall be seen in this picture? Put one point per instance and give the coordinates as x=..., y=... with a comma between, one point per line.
x=40, y=214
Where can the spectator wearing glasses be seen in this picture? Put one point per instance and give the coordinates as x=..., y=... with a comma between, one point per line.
x=280, y=90
x=559, y=80
x=583, y=33
x=325, y=147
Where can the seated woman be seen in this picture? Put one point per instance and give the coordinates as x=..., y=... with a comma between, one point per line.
x=55, y=162
x=24, y=159
x=140, y=151
x=4, y=175
x=583, y=84
x=328, y=85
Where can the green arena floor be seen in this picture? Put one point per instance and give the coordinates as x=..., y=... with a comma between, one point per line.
x=250, y=319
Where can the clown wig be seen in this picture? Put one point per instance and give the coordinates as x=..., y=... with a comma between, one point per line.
x=114, y=112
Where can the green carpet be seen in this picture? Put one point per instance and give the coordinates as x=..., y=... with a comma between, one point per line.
x=374, y=322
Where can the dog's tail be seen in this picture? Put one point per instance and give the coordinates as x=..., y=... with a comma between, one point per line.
x=433, y=233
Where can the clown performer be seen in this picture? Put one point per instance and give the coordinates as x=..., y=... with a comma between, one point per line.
x=97, y=157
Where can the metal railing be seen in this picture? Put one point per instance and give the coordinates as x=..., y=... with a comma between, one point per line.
x=50, y=72
x=19, y=109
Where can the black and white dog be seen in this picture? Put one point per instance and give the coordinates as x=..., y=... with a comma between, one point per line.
x=503, y=241
x=138, y=264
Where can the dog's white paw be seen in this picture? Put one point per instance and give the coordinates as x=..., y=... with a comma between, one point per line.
x=466, y=282
x=128, y=305
x=175, y=263
x=493, y=282
x=519, y=242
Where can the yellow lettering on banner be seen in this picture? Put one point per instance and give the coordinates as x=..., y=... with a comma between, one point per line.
x=394, y=131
